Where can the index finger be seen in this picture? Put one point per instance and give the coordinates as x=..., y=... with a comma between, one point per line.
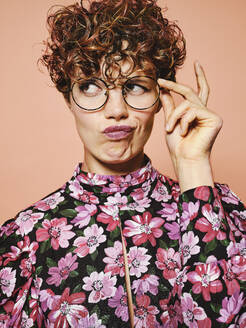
x=181, y=89
x=168, y=104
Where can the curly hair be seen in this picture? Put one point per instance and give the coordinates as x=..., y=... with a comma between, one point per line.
x=82, y=39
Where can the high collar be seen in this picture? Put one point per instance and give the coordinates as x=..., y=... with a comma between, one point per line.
x=115, y=183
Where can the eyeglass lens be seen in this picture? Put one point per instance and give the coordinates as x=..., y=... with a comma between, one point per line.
x=139, y=92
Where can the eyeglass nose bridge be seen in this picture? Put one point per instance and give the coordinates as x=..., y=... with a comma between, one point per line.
x=113, y=86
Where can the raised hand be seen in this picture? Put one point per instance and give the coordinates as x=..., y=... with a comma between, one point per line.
x=191, y=127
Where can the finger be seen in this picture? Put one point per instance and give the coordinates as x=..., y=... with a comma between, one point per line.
x=188, y=118
x=202, y=84
x=183, y=90
x=176, y=115
x=168, y=104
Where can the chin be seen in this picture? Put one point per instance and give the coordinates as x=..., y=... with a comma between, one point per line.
x=123, y=159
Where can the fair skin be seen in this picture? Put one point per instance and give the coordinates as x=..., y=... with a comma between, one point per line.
x=103, y=155
x=191, y=129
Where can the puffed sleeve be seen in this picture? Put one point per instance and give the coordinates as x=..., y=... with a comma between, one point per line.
x=18, y=286
x=213, y=255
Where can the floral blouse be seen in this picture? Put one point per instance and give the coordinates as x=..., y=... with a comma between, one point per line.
x=61, y=261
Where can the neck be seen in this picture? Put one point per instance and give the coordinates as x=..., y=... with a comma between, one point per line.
x=98, y=167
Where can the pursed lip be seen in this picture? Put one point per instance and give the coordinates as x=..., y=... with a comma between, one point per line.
x=118, y=132
x=116, y=128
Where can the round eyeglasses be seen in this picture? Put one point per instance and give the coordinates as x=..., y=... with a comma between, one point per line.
x=139, y=92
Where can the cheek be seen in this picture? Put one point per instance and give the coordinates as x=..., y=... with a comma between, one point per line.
x=146, y=122
x=85, y=126
x=145, y=127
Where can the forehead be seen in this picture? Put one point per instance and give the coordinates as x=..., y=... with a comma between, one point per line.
x=122, y=69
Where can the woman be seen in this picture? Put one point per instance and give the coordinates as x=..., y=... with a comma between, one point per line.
x=120, y=244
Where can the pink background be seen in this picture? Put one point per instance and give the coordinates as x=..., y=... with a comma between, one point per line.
x=39, y=144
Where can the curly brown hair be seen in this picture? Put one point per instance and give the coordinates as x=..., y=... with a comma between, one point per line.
x=81, y=39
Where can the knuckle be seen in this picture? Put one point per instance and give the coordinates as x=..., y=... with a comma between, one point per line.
x=187, y=91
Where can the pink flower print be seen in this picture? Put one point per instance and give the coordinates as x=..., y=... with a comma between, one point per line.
x=189, y=213
x=20, y=302
x=138, y=261
x=139, y=205
x=242, y=247
x=117, y=199
x=237, y=248
x=26, y=322
x=66, y=265
x=24, y=246
x=230, y=277
x=189, y=246
x=119, y=184
x=140, y=193
x=119, y=301
x=50, y=202
x=26, y=266
x=144, y=228
x=228, y=196
x=191, y=312
x=114, y=259
x=101, y=286
x=242, y=321
x=90, y=322
x=89, y=197
x=204, y=280
x=76, y=188
x=178, y=282
x=34, y=304
x=7, y=281
x=232, y=248
x=172, y=316
x=160, y=193
x=202, y=193
x=57, y=230
x=145, y=314
x=66, y=311
x=230, y=307
x=80, y=193
x=8, y=229
x=175, y=190
x=169, y=211
x=110, y=216
x=239, y=219
x=210, y=223
x=4, y=319
x=148, y=283
x=168, y=261
x=174, y=230
x=84, y=215
x=26, y=221
x=89, y=243
x=47, y=297
x=239, y=267
x=92, y=179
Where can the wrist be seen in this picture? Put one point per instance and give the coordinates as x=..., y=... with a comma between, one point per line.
x=193, y=173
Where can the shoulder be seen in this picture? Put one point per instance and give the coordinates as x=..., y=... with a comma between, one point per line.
x=25, y=221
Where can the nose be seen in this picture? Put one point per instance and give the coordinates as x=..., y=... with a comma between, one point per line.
x=115, y=107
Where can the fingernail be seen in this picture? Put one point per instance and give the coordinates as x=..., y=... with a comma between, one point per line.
x=167, y=127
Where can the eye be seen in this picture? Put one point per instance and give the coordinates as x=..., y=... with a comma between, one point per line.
x=90, y=88
x=136, y=88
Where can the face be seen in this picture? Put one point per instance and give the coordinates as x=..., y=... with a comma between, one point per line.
x=114, y=136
